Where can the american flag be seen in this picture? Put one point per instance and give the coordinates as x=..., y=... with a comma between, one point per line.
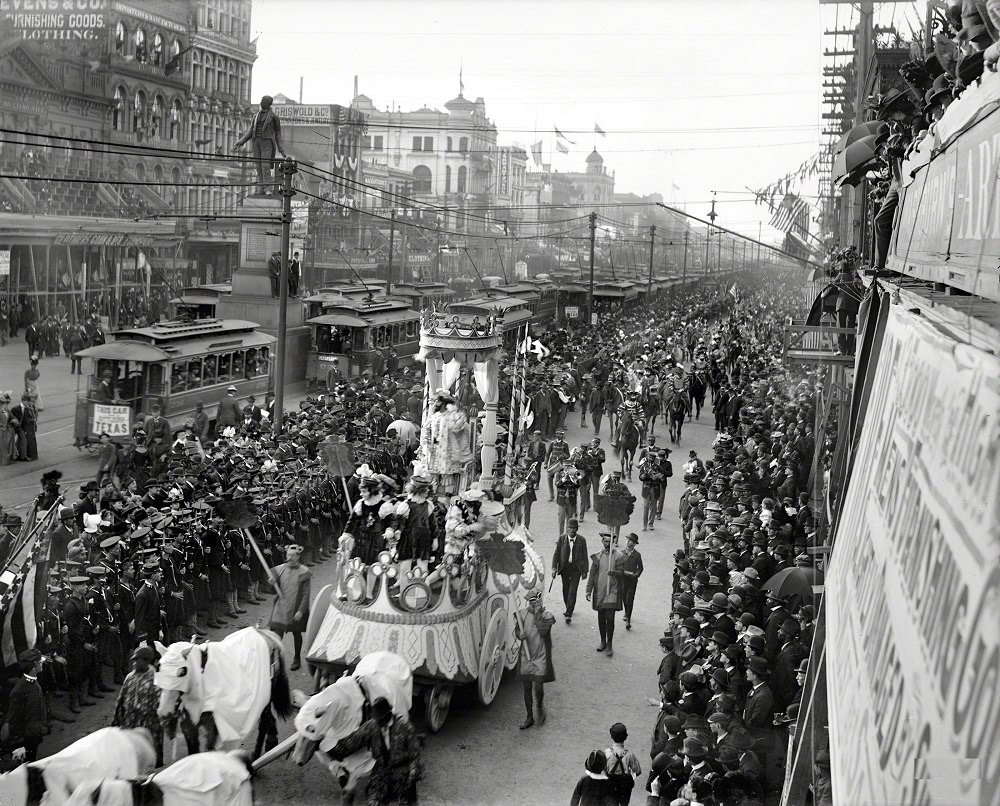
x=792, y=213
x=25, y=578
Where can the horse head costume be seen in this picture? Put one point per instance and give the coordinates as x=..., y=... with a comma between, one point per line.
x=341, y=708
x=222, y=687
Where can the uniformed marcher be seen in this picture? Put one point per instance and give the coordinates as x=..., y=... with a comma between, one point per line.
x=80, y=648
x=631, y=571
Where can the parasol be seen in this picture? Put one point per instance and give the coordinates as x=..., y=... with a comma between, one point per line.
x=796, y=581
x=859, y=132
x=856, y=155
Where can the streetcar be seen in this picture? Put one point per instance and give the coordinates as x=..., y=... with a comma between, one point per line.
x=516, y=313
x=176, y=364
x=348, y=332
x=198, y=301
x=424, y=295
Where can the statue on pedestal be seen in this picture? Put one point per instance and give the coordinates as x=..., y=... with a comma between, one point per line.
x=265, y=137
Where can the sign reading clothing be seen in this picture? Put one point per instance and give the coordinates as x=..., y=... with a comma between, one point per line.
x=115, y=421
x=55, y=20
x=503, y=172
x=913, y=593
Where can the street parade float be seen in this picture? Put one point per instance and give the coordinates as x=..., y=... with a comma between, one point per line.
x=437, y=573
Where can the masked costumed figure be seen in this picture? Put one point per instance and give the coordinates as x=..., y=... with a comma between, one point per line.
x=444, y=442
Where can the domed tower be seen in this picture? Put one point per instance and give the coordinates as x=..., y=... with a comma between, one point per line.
x=595, y=163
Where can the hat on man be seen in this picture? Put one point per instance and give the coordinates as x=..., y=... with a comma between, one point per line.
x=573, y=522
x=720, y=602
x=671, y=724
x=790, y=627
x=695, y=722
x=720, y=638
x=231, y=389
x=689, y=652
x=79, y=580
x=759, y=666
x=717, y=718
x=694, y=749
x=803, y=667
x=692, y=625
x=756, y=642
x=728, y=756
x=667, y=642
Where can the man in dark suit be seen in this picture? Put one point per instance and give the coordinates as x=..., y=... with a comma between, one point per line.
x=774, y=619
x=90, y=504
x=251, y=411
x=570, y=561
x=146, y=622
x=759, y=710
x=632, y=570
x=61, y=535
x=229, y=413
x=783, y=682
x=158, y=425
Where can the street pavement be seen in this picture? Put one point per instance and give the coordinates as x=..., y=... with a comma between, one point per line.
x=479, y=756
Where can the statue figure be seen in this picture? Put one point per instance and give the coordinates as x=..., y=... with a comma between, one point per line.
x=444, y=441
x=265, y=134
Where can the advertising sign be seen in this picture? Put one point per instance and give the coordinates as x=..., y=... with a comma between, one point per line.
x=572, y=312
x=55, y=20
x=4, y=263
x=913, y=593
x=115, y=421
x=503, y=172
x=947, y=226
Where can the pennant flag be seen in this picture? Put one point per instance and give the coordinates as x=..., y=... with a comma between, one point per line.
x=562, y=147
x=563, y=136
x=536, y=152
x=732, y=291
x=599, y=130
x=530, y=345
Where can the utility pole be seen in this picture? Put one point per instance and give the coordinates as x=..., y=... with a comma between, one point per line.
x=590, y=295
x=392, y=241
x=652, y=241
x=437, y=262
x=684, y=271
x=718, y=260
x=288, y=169
x=708, y=239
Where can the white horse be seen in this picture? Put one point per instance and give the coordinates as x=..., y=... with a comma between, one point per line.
x=105, y=753
x=341, y=708
x=223, y=687
x=204, y=779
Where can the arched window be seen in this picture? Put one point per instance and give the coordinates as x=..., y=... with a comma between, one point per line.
x=139, y=112
x=463, y=144
x=141, y=51
x=156, y=117
x=118, y=117
x=198, y=72
x=175, y=120
x=140, y=172
x=447, y=173
x=156, y=57
x=175, y=189
x=597, y=194
x=422, y=179
x=121, y=35
x=462, y=172
x=209, y=84
x=234, y=83
x=157, y=173
x=448, y=144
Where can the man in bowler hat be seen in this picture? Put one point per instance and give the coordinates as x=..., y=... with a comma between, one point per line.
x=570, y=562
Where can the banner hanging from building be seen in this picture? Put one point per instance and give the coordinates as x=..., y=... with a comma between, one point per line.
x=55, y=20
x=913, y=593
x=503, y=172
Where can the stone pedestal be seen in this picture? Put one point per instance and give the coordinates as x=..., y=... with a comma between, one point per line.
x=251, y=295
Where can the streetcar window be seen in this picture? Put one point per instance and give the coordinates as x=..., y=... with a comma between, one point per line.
x=262, y=361
x=154, y=379
x=359, y=338
x=321, y=338
x=395, y=334
x=178, y=376
x=225, y=367
x=239, y=370
x=194, y=373
x=209, y=370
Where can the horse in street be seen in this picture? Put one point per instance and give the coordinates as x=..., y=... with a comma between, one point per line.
x=614, y=399
x=678, y=410
x=696, y=392
x=630, y=434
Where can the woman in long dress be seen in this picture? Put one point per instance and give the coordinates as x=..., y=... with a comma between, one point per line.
x=31, y=376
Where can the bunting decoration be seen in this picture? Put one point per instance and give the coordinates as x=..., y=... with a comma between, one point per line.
x=599, y=130
x=794, y=179
x=560, y=146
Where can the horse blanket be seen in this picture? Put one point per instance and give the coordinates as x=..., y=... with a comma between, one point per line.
x=235, y=700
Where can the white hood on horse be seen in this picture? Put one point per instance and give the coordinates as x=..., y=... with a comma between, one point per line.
x=234, y=684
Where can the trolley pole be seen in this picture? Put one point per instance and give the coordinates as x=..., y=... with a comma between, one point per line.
x=684, y=274
x=287, y=169
x=649, y=282
x=392, y=239
x=590, y=295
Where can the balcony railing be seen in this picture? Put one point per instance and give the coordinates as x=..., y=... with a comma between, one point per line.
x=816, y=344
